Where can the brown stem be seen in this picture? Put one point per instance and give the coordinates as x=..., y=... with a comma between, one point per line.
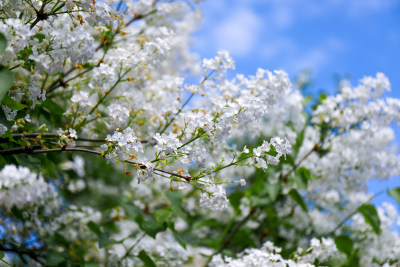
x=34, y=23
x=228, y=239
x=21, y=135
x=187, y=178
x=284, y=177
x=33, y=254
x=33, y=149
x=50, y=135
x=315, y=148
x=20, y=150
x=62, y=149
x=60, y=81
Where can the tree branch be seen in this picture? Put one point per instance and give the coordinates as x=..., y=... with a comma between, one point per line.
x=33, y=254
x=50, y=135
x=33, y=149
x=228, y=240
x=295, y=167
x=20, y=150
x=60, y=81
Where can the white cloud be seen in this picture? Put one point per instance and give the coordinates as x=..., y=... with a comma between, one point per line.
x=316, y=58
x=312, y=59
x=357, y=8
x=254, y=28
x=277, y=47
x=239, y=32
x=285, y=13
x=282, y=16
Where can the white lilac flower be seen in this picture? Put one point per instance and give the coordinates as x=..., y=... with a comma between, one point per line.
x=22, y=188
x=103, y=77
x=267, y=255
x=78, y=165
x=214, y=198
x=81, y=98
x=3, y=129
x=126, y=144
x=147, y=172
x=10, y=113
x=168, y=143
x=220, y=63
x=72, y=133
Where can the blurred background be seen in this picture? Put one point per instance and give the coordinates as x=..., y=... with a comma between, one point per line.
x=328, y=40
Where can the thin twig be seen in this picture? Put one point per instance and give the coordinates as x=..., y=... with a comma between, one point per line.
x=354, y=212
x=60, y=81
x=34, y=149
x=131, y=248
x=62, y=149
x=20, y=150
x=20, y=135
x=50, y=135
x=295, y=167
x=176, y=114
x=184, y=104
x=228, y=240
x=187, y=178
x=33, y=254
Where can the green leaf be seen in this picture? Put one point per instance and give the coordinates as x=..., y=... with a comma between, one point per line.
x=244, y=238
x=322, y=97
x=6, y=81
x=53, y=258
x=91, y=264
x=94, y=228
x=175, y=197
x=162, y=215
x=353, y=261
x=395, y=193
x=302, y=176
x=40, y=37
x=273, y=190
x=3, y=162
x=235, y=200
x=132, y=211
x=304, y=172
x=53, y=107
x=61, y=239
x=299, y=139
x=152, y=227
x=148, y=262
x=12, y=103
x=88, y=65
x=178, y=211
x=17, y=213
x=2, y=254
x=8, y=135
x=3, y=43
x=179, y=239
x=289, y=160
x=344, y=244
x=105, y=241
x=258, y=184
x=259, y=201
x=300, y=181
x=371, y=216
x=322, y=152
x=208, y=222
x=298, y=198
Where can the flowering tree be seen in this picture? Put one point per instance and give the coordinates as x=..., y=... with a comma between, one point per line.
x=110, y=157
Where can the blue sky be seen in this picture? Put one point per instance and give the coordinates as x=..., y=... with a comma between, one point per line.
x=349, y=38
